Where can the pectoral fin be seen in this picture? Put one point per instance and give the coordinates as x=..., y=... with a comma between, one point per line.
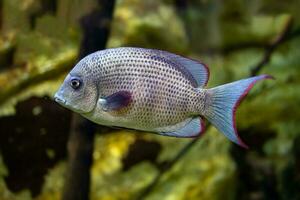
x=115, y=101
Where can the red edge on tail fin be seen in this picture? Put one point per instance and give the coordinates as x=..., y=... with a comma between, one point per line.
x=241, y=143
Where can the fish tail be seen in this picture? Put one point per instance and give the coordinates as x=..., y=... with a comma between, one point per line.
x=222, y=102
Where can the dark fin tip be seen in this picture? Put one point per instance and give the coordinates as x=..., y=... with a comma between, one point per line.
x=119, y=100
x=127, y=97
x=208, y=72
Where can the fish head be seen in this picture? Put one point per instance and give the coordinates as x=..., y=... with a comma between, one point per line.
x=78, y=92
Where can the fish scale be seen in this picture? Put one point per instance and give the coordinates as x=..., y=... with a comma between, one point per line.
x=152, y=90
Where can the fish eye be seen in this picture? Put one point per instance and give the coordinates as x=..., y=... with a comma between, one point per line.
x=75, y=83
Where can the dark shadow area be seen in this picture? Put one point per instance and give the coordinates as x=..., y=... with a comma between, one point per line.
x=141, y=150
x=32, y=141
x=256, y=176
x=290, y=176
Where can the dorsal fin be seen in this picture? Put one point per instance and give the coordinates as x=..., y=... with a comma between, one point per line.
x=198, y=70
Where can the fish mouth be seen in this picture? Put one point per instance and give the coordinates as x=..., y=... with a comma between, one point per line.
x=60, y=100
x=65, y=104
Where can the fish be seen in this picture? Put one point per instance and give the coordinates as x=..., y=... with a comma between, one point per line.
x=154, y=91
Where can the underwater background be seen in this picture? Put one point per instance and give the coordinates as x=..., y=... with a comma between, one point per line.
x=47, y=152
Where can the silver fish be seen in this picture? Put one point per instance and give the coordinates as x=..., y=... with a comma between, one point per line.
x=152, y=90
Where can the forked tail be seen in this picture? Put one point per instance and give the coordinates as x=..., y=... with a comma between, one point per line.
x=223, y=102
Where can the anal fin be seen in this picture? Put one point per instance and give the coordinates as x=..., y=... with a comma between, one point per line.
x=192, y=127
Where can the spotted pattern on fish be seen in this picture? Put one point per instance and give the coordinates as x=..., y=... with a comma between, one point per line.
x=163, y=93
